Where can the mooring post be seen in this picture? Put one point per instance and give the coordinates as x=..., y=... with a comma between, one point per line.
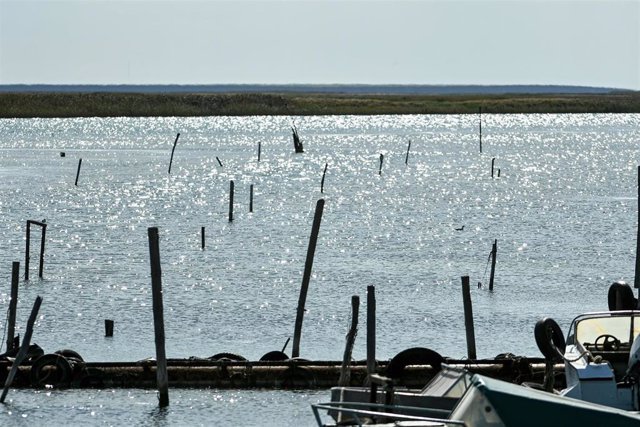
x=315, y=230
x=22, y=353
x=345, y=371
x=13, y=305
x=27, y=249
x=78, y=172
x=494, y=253
x=493, y=161
x=259, y=149
x=323, y=174
x=108, y=327
x=406, y=159
x=636, y=280
x=158, y=317
x=381, y=160
x=251, y=198
x=202, y=237
x=219, y=162
x=172, y=150
x=42, y=240
x=480, y=121
x=371, y=340
x=468, y=318
x=231, y=201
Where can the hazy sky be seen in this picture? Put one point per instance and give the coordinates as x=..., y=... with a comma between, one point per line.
x=571, y=42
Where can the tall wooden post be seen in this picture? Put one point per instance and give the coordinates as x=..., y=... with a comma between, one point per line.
x=371, y=329
x=172, y=150
x=202, y=237
x=406, y=159
x=27, y=250
x=78, y=172
x=43, y=226
x=326, y=165
x=13, y=304
x=494, y=253
x=480, y=130
x=231, y=201
x=259, y=149
x=493, y=162
x=158, y=317
x=24, y=348
x=42, y=240
x=381, y=160
x=315, y=230
x=636, y=280
x=345, y=371
x=468, y=318
x=251, y=198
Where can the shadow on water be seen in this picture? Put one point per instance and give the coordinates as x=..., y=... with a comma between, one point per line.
x=159, y=417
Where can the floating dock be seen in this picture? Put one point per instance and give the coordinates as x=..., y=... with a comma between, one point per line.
x=60, y=372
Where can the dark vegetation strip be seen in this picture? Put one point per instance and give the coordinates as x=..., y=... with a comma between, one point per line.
x=51, y=104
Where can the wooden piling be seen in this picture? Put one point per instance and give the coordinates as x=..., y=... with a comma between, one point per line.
x=22, y=353
x=480, y=129
x=78, y=172
x=43, y=226
x=406, y=159
x=323, y=174
x=468, y=318
x=251, y=198
x=259, y=150
x=158, y=317
x=201, y=237
x=494, y=253
x=219, y=162
x=315, y=230
x=345, y=369
x=636, y=280
x=381, y=160
x=172, y=151
x=108, y=327
x=493, y=162
x=231, y=200
x=13, y=305
x=371, y=329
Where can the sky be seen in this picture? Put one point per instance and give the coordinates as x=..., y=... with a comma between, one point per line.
x=440, y=42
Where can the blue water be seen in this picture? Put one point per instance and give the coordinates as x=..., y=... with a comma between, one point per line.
x=563, y=210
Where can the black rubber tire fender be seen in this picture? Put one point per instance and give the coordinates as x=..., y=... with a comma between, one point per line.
x=274, y=356
x=296, y=377
x=550, y=339
x=624, y=292
x=41, y=377
x=413, y=356
x=70, y=354
x=231, y=357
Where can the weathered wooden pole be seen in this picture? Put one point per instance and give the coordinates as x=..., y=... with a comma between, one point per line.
x=494, y=253
x=636, y=280
x=13, y=305
x=406, y=159
x=24, y=348
x=251, y=198
x=493, y=162
x=108, y=327
x=345, y=371
x=480, y=114
x=158, y=317
x=27, y=250
x=172, y=150
x=42, y=240
x=315, y=230
x=323, y=174
x=381, y=160
x=219, y=162
x=468, y=318
x=371, y=329
x=259, y=149
x=78, y=172
x=202, y=237
x=231, y=201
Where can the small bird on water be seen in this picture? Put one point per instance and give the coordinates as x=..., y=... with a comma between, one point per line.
x=460, y=229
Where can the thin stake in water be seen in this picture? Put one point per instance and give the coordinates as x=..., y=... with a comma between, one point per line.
x=172, y=150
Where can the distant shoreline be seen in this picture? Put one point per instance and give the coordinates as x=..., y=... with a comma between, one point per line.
x=118, y=104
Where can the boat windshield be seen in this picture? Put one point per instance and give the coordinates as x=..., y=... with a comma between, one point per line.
x=588, y=329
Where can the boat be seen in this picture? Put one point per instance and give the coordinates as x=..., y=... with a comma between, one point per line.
x=601, y=357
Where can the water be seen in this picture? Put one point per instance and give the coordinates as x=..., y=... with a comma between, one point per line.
x=564, y=212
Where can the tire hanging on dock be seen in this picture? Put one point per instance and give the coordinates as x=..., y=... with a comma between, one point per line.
x=51, y=369
x=620, y=297
x=413, y=356
x=550, y=339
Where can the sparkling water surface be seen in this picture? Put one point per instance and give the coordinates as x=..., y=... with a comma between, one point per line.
x=563, y=210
